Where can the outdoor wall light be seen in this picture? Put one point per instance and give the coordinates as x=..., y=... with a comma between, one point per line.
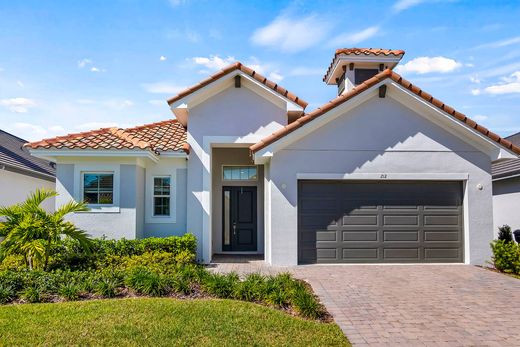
x=480, y=186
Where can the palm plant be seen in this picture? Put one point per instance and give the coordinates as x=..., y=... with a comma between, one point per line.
x=30, y=230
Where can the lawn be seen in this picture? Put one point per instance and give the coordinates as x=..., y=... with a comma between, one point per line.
x=161, y=322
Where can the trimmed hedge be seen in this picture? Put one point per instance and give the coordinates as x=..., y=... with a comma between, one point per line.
x=506, y=256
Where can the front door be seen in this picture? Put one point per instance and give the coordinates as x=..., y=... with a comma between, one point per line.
x=239, y=223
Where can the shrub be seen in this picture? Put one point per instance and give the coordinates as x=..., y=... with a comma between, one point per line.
x=252, y=288
x=7, y=294
x=106, y=287
x=31, y=294
x=69, y=291
x=220, y=285
x=180, y=284
x=305, y=303
x=504, y=233
x=147, y=282
x=506, y=256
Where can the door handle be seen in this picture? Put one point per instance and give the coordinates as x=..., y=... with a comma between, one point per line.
x=234, y=228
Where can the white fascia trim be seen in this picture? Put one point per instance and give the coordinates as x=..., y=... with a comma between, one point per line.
x=173, y=155
x=505, y=177
x=318, y=122
x=385, y=176
x=197, y=97
x=475, y=137
x=51, y=155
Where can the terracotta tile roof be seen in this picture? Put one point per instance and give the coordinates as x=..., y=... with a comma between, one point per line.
x=238, y=66
x=387, y=74
x=362, y=51
x=167, y=135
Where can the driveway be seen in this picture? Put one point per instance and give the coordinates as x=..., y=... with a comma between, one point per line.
x=419, y=305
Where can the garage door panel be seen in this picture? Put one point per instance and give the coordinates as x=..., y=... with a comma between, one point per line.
x=360, y=235
x=380, y=222
x=402, y=235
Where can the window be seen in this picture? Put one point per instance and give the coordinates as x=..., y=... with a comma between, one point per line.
x=361, y=75
x=239, y=173
x=98, y=188
x=161, y=196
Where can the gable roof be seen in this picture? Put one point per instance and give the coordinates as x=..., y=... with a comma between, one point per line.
x=168, y=135
x=240, y=67
x=14, y=156
x=507, y=168
x=386, y=74
x=362, y=52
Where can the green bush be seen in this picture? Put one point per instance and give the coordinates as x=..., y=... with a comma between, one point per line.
x=144, y=281
x=506, y=256
x=70, y=255
x=7, y=294
x=305, y=303
x=252, y=288
x=504, y=233
x=32, y=294
x=106, y=287
x=219, y=285
x=69, y=291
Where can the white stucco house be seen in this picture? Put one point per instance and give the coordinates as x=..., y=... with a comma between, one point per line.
x=21, y=173
x=506, y=190
x=384, y=172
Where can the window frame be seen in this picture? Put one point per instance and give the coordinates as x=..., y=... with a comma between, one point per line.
x=239, y=180
x=97, y=172
x=169, y=196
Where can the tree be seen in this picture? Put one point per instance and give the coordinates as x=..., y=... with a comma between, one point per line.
x=31, y=231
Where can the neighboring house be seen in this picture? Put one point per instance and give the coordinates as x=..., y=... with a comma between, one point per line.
x=21, y=173
x=382, y=173
x=506, y=190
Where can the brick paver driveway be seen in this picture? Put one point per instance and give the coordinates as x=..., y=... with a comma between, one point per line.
x=418, y=305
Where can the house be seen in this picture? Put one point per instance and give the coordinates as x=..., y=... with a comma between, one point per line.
x=21, y=173
x=384, y=172
x=506, y=190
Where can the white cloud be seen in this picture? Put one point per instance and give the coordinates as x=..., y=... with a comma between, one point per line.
x=213, y=62
x=157, y=102
x=423, y=65
x=94, y=69
x=353, y=38
x=163, y=88
x=275, y=76
x=476, y=91
x=292, y=34
x=500, y=43
x=511, y=85
x=84, y=62
x=480, y=118
x=474, y=79
x=402, y=5
x=95, y=125
x=306, y=71
x=18, y=105
x=32, y=132
x=162, y=58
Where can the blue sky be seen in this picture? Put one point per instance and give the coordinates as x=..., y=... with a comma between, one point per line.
x=69, y=66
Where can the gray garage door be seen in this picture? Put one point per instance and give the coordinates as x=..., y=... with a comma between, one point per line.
x=366, y=222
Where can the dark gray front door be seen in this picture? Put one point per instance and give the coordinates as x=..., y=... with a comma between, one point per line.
x=367, y=222
x=239, y=219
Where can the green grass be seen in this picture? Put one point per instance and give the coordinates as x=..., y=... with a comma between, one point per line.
x=161, y=322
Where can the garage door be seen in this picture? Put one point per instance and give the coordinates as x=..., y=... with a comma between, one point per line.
x=383, y=222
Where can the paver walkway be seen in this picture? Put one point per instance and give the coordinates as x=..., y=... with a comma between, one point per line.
x=413, y=305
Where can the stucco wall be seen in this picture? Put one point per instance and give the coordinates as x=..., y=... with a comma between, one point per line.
x=506, y=203
x=380, y=136
x=238, y=115
x=121, y=221
x=175, y=168
x=15, y=188
x=234, y=156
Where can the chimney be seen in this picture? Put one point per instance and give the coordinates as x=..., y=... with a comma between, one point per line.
x=353, y=66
